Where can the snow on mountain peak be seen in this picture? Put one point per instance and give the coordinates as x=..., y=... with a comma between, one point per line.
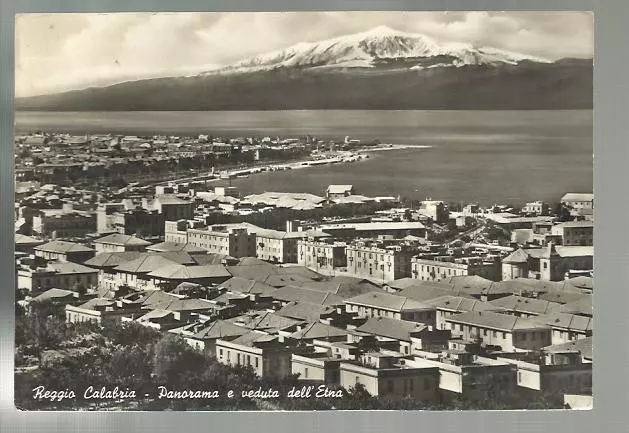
x=368, y=48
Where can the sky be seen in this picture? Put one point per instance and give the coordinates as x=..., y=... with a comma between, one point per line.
x=58, y=52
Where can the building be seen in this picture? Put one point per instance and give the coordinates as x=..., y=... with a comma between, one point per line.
x=323, y=256
x=580, y=233
x=523, y=306
x=443, y=268
x=472, y=376
x=555, y=371
x=377, y=261
x=538, y=208
x=435, y=210
x=388, y=375
x=64, y=251
x=101, y=311
x=448, y=305
x=551, y=263
x=203, y=336
x=382, y=304
x=58, y=275
x=566, y=327
x=26, y=244
x=229, y=239
x=318, y=366
x=339, y=191
x=374, y=229
x=578, y=201
x=60, y=224
x=509, y=333
x=116, y=243
x=172, y=207
x=264, y=353
x=280, y=247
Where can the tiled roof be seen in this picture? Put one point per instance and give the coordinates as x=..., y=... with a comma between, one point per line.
x=70, y=268
x=174, y=246
x=388, y=301
x=253, y=337
x=487, y=319
x=220, y=329
x=173, y=271
x=525, y=305
x=391, y=328
x=460, y=304
x=52, y=295
x=566, y=321
x=63, y=247
x=304, y=311
x=318, y=330
x=576, y=196
x=120, y=239
x=243, y=285
x=293, y=293
x=26, y=240
x=264, y=320
x=518, y=256
x=582, y=345
x=582, y=306
x=149, y=262
x=110, y=260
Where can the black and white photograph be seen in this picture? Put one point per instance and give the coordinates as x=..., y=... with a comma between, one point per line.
x=303, y=211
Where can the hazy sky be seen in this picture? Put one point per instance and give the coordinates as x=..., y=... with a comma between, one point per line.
x=55, y=52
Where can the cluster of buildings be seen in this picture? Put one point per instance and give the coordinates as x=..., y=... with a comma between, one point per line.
x=373, y=301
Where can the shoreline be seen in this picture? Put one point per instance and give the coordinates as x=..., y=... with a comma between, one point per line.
x=339, y=157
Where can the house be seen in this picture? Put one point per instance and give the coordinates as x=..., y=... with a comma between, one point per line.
x=105, y=263
x=230, y=239
x=101, y=311
x=566, y=327
x=59, y=275
x=448, y=305
x=551, y=263
x=119, y=243
x=554, y=371
x=401, y=335
x=53, y=223
x=537, y=208
x=26, y=244
x=522, y=306
x=64, y=251
x=577, y=201
x=264, y=353
x=174, y=246
x=338, y=191
x=172, y=207
x=172, y=274
x=323, y=256
x=377, y=261
x=317, y=366
x=387, y=375
x=446, y=267
x=382, y=304
x=575, y=233
x=510, y=333
x=472, y=376
x=374, y=229
x=203, y=336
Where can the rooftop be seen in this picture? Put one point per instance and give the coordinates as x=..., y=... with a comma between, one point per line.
x=63, y=247
x=388, y=301
x=123, y=240
x=486, y=319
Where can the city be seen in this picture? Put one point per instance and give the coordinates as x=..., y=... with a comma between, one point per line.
x=434, y=304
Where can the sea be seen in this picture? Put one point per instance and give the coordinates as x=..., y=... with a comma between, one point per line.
x=505, y=157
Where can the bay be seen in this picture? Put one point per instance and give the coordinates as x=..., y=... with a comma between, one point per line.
x=483, y=156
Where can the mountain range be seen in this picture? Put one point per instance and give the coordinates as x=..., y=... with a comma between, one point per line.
x=378, y=69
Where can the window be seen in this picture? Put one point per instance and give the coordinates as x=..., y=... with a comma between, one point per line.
x=256, y=362
x=357, y=379
x=495, y=334
x=519, y=376
x=238, y=359
x=220, y=352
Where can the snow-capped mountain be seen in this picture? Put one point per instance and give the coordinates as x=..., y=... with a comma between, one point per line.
x=375, y=47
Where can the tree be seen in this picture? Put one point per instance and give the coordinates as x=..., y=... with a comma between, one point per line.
x=174, y=360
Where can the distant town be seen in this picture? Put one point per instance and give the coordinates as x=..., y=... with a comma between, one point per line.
x=122, y=241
